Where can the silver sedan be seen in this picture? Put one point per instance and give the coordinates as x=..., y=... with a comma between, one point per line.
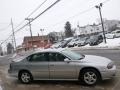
x=62, y=64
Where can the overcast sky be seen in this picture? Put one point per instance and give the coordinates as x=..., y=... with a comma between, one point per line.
x=55, y=18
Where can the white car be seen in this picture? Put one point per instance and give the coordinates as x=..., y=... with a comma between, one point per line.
x=56, y=45
x=116, y=33
x=73, y=42
x=113, y=34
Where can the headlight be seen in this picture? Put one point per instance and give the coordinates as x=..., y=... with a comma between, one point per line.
x=110, y=65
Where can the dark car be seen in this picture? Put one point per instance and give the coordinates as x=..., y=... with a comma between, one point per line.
x=95, y=40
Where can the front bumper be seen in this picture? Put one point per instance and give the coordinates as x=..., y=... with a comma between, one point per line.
x=12, y=73
x=109, y=73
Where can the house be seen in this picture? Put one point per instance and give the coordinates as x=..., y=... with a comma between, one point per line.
x=88, y=29
x=35, y=42
x=109, y=25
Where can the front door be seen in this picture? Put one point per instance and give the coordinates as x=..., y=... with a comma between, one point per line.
x=59, y=69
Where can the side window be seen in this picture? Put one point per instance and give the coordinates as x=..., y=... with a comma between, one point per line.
x=39, y=57
x=52, y=57
x=60, y=57
x=56, y=57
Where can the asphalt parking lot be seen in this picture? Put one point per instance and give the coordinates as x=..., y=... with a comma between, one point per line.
x=9, y=83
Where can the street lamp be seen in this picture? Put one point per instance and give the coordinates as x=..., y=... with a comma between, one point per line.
x=99, y=7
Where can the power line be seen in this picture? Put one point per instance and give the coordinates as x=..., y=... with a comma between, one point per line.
x=30, y=14
x=21, y=27
x=38, y=15
x=105, y=1
x=48, y=9
x=33, y=19
x=87, y=10
x=19, y=24
x=36, y=9
x=6, y=39
x=75, y=15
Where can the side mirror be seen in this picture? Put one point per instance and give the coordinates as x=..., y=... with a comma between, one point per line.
x=66, y=60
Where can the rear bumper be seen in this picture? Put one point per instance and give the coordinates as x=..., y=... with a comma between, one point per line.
x=109, y=73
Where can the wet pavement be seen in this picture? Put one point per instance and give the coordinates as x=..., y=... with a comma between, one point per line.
x=9, y=83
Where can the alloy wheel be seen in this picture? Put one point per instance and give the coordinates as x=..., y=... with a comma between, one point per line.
x=90, y=77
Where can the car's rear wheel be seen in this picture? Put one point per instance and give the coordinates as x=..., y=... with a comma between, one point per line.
x=25, y=77
x=90, y=77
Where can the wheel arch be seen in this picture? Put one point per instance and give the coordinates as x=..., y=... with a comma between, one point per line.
x=89, y=68
x=24, y=70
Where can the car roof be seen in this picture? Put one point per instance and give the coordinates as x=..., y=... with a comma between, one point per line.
x=26, y=54
x=49, y=50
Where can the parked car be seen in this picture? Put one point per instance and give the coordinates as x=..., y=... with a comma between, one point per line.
x=73, y=42
x=95, y=40
x=114, y=34
x=65, y=43
x=109, y=36
x=56, y=45
x=82, y=42
x=62, y=64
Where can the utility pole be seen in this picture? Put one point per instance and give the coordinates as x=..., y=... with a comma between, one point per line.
x=78, y=28
x=29, y=20
x=99, y=7
x=42, y=36
x=14, y=40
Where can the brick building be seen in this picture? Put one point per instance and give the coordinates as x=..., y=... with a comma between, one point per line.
x=36, y=42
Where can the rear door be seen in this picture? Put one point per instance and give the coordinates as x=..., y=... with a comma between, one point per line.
x=38, y=66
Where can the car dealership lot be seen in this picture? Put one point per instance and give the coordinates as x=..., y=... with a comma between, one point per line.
x=9, y=83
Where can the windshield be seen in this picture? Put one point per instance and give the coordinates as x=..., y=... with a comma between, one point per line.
x=73, y=55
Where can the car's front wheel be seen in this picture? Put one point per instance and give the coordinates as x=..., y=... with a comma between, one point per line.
x=90, y=76
x=25, y=77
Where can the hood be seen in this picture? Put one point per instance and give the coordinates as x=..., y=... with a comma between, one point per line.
x=18, y=59
x=96, y=59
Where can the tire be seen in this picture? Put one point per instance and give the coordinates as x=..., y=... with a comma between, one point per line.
x=25, y=77
x=90, y=77
x=113, y=36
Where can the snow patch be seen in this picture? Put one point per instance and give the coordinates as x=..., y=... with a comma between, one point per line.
x=1, y=88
